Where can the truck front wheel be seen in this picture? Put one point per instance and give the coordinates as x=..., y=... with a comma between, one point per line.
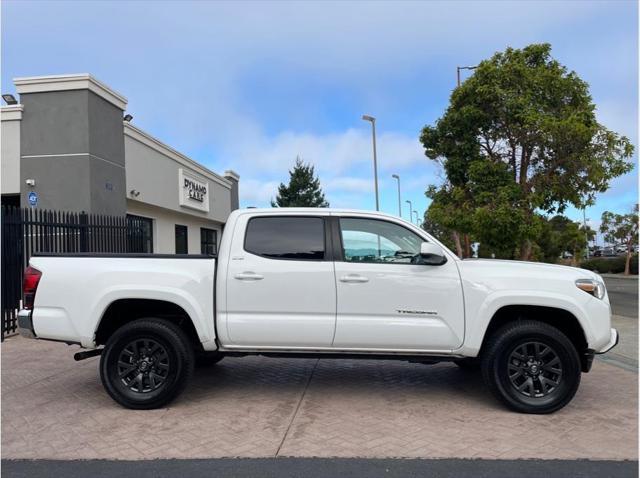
x=531, y=366
x=146, y=363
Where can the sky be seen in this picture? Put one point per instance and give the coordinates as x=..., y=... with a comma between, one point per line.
x=250, y=86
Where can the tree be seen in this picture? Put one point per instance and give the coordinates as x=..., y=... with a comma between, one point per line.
x=486, y=209
x=303, y=189
x=561, y=234
x=621, y=228
x=523, y=110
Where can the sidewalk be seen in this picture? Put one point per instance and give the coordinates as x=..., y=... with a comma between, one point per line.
x=619, y=276
x=625, y=354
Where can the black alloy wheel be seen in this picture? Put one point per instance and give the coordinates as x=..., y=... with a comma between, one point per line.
x=535, y=370
x=531, y=366
x=143, y=365
x=146, y=363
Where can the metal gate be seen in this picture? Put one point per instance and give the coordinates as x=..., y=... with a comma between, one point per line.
x=28, y=231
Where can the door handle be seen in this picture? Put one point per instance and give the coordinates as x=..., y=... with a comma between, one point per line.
x=354, y=278
x=248, y=275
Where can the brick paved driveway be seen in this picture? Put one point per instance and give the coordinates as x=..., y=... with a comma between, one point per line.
x=53, y=407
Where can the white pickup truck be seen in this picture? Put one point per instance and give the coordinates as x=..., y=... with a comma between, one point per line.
x=326, y=283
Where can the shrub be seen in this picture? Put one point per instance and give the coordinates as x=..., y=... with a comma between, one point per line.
x=613, y=265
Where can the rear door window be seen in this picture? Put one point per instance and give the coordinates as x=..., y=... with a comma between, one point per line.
x=293, y=238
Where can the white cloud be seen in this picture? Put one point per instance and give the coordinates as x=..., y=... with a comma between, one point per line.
x=348, y=185
x=332, y=154
x=255, y=192
x=195, y=73
x=343, y=162
x=621, y=117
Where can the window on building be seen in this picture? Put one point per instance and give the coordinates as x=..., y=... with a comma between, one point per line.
x=182, y=240
x=373, y=240
x=208, y=241
x=139, y=234
x=11, y=200
x=299, y=238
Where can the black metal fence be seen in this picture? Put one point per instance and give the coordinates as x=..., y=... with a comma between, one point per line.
x=29, y=231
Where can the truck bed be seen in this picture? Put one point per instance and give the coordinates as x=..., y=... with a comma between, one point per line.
x=76, y=288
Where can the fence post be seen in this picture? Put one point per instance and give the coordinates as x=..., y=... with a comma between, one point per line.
x=11, y=252
x=84, y=221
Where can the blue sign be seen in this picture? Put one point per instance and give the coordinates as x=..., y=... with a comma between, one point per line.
x=33, y=198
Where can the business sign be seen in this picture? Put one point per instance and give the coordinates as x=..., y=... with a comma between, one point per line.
x=33, y=198
x=193, y=191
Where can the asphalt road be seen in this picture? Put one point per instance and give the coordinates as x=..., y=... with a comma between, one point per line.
x=321, y=467
x=623, y=295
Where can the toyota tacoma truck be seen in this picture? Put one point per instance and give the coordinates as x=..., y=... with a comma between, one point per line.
x=324, y=283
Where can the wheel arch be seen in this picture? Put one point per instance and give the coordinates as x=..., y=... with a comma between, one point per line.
x=560, y=318
x=125, y=310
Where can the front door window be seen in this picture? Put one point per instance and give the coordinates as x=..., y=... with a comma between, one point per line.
x=376, y=241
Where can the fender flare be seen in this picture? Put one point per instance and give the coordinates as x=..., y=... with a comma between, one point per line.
x=176, y=296
x=477, y=325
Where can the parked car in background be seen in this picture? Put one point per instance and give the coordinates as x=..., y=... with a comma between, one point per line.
x=609, y=252
x=323, y=283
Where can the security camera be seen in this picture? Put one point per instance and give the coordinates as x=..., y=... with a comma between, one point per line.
x=31, y=182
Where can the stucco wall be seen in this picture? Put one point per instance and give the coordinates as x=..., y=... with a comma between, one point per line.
x=155, y=175
x=164, y=227
x=72, y=145
x=10, y=152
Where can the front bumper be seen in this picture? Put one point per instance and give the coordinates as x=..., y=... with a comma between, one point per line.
x=587, y=358
x=25, y=324
x=615, y=338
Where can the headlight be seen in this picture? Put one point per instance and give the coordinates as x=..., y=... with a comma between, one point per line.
x=591, y=286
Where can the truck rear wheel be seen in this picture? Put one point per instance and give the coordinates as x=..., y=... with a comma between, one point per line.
x=531, y=366
x=146, y=363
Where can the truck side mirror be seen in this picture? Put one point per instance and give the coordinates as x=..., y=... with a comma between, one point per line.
x=432, y=254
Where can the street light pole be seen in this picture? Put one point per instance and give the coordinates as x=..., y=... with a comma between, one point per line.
x=458, y=68
x=372, y=120
x=399, y=200
x=586, y=233
x=417, y=218
x=410, y=211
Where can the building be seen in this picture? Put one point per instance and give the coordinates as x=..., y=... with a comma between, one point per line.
x=66, y=146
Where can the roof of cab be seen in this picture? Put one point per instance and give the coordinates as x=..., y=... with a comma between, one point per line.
x=314, y=210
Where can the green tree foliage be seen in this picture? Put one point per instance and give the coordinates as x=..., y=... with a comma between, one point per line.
x=303, y=189
x=518, y=139
x=559, y=235
x=621, y=229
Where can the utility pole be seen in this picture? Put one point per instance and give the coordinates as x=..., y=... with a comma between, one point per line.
x=410, y=211
x=399, y=200
x=372, y=120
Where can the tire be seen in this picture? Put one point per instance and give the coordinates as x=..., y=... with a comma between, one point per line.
x=208, y=359
x=548, y=377
x=168, y=361
x=469, y=364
